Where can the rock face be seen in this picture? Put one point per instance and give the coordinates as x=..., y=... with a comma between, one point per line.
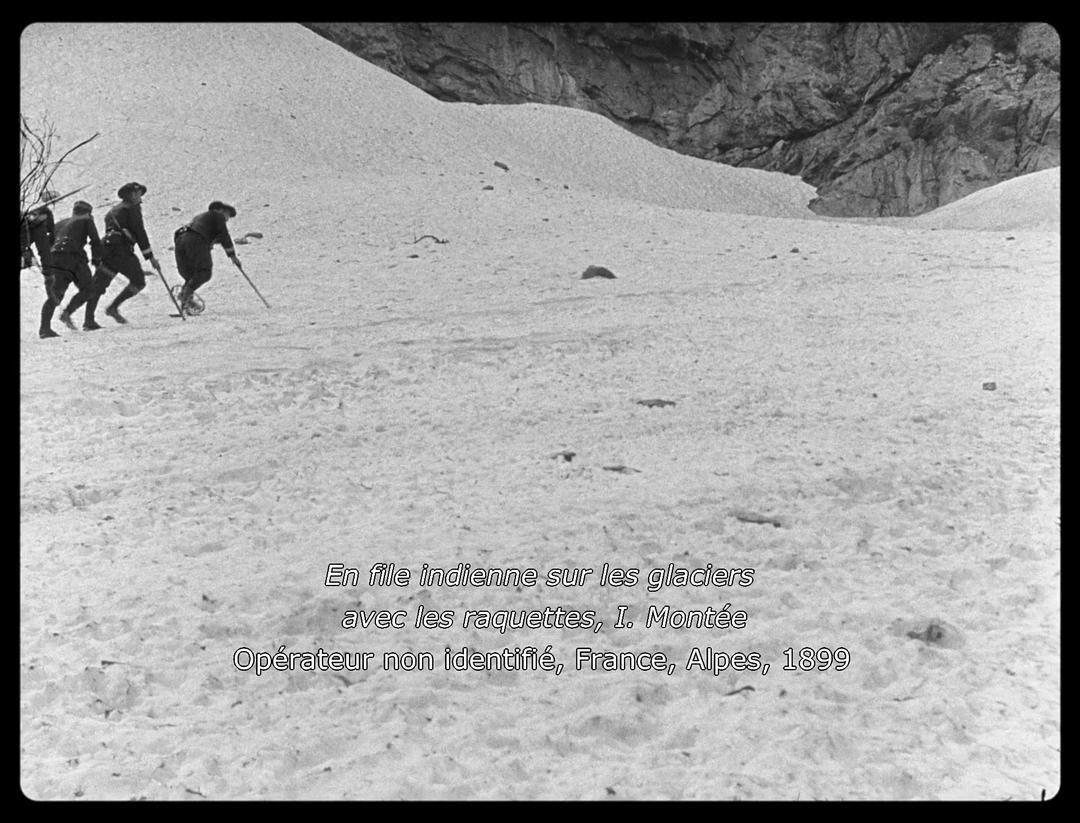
x=884, y=119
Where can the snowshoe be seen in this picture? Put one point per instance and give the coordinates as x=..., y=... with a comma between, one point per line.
x=194, y=304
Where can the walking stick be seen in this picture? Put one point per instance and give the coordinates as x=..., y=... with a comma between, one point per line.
x=56, y=199
x=165, y=283
x=237, y=263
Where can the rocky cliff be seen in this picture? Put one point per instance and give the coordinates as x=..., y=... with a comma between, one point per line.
x=884, y=119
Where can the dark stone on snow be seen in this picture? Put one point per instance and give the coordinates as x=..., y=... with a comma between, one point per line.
x=597, y=271
x=753, y=517
x=655, y=402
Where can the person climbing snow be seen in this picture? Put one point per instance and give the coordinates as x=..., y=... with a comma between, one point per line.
x=37, y=230
x=69, y=264
x=123, y=230
x=193, y=244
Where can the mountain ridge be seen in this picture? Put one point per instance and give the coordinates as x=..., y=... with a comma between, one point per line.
x=883, y=119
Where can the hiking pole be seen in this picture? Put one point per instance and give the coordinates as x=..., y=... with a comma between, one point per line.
x=57, y=199
x=237, y=264
x=165, y=283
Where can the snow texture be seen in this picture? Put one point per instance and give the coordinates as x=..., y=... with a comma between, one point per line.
x=184, y=485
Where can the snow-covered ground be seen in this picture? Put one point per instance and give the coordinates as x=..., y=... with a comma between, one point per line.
x=186, y=484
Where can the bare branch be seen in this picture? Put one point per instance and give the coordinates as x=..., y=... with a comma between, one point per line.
x=37, y=166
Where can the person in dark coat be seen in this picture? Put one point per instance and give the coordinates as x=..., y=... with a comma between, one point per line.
x=37, y=230
x=123, y=230
x=193, y=244
x=69, y=264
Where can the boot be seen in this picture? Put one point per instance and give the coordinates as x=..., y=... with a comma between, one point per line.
x=45, y=329
x=73, y=306
x=114, y=313
x=114, y=308
x=89, y=322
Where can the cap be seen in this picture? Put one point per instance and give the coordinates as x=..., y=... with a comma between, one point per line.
x=82, y=207
x=130, y=188
x=217, y=204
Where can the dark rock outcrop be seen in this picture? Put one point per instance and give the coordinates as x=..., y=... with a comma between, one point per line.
x=884, y=119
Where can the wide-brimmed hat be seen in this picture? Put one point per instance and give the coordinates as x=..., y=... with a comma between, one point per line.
x=218, y=205
x=130, y=188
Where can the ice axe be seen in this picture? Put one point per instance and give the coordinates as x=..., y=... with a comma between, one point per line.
x=237, y=264
x=165, y=283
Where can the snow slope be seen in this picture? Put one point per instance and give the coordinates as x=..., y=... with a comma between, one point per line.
x=238, y=109
x=1029, y=202
x=186, y=484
